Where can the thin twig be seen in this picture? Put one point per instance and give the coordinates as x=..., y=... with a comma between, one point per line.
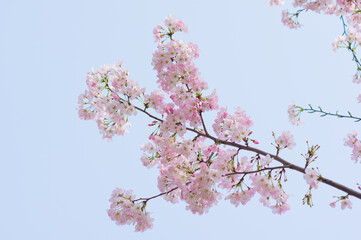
x=320, y=110
x=256, y=171
x=161, y=194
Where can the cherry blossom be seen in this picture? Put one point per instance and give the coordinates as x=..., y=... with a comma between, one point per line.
x=275, y=2
x=286, y=140
x=311, y=177
x=289, y=20
x=293, y=115
x=346, y=204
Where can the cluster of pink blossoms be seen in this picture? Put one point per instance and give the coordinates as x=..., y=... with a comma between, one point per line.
x=171, y=26
x=346, y=8
x=275, y=2
x=235, y=127
x=345, y=203
x=108, y=99
x=191, y=168
x=352, y=141
x=125, y=211
x=290, y=20
x=293, y=115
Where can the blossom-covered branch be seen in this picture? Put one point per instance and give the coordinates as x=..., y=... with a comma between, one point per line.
x=195, y=165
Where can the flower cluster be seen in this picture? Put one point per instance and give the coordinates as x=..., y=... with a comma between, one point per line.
x=290, y=20
x=268, y=190
x=171, y=26
x=200, y=193
x=352, y=141
x=345, y=203
x=339, y=42
x=275, y=2
x=107, y=99
x=124, y=211
x=293, y=114
x=233, y=127
x=179, y=77
x=241, y=197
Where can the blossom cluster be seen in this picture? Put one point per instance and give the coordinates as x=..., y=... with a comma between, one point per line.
x=275, y=2
x=171, y=26
x=349, y=9
x=345, y=203
x=124, y=211
x=290, y=20
x=107, y=100
x=293, y=114
x=233, y=127
x=352, y=141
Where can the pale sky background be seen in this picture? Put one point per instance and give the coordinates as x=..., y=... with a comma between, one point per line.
x=57, y=173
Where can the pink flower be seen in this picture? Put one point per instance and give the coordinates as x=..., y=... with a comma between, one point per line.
x=293, y=115
x=157, y=33
x=286, y=140
x=288, y=21
x=356, y=79
x=350, y=139
x=241, y=197
x=333, y=204
x=339, y=41
x=280, y=208
x=266, y=160
x=346, y=203
x=311, y=177
x=356, y=152
x=275, y=2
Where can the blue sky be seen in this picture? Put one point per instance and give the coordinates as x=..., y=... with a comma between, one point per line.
x=57, y=173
